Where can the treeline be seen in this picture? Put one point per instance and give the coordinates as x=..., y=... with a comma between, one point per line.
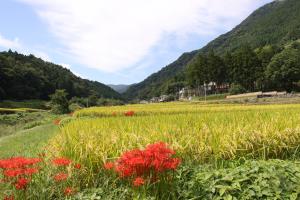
x=27, y=77
x=266, y=68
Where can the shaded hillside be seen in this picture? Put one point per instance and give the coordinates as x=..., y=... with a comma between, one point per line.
x=27, y=77
x=153, y=85
x=119, y=88
x=273, y=24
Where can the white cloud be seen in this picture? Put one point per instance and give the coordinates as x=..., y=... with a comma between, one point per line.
x=16, y=45
x=67, y=66
x=7, y=43
x=40, y=54
x=112, y=35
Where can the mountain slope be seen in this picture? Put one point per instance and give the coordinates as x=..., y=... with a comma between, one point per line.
x=119, y=88
x=152, y=85
x=273, y=24
x=27, y=77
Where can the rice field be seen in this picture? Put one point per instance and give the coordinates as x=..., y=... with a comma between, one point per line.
x=198, y=132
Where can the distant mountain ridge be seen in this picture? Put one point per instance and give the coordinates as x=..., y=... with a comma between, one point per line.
x=275, y=23
x=121, y=88
x=27, y=77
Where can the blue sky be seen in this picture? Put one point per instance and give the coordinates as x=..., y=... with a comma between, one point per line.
x=116, y=41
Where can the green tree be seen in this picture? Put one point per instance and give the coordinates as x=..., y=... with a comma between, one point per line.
x=246, y=68
x=59, y=102
x=92, y=100
x=284, y=69
x=216, y=68
x=197, y=71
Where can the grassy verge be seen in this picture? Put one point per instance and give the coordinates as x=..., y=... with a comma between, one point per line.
x=35, y=104
x=26, y=142
x=13, y=123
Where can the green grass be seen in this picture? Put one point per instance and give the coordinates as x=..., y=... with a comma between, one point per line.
x=12, y=123
x=27, y=142
x=211, y=97
x=35, y=104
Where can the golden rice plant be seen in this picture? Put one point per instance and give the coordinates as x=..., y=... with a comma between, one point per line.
x=198, y=132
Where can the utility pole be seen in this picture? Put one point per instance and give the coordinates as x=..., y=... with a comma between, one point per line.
x=205, y=92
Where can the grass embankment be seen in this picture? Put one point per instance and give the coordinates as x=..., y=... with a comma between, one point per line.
x=34, y=104
x=21, y=120
x=27, y=142
x=23, y=133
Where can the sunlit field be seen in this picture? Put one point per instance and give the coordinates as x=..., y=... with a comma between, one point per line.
x=197, y=132
x=179, y=150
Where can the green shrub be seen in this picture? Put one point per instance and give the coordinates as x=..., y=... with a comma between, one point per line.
x=273, y=179
x=74, y=106
x=236, y=89
x=59, y=102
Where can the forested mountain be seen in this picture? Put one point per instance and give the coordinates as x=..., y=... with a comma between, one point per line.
x=154, y=84
x=274, y=24
x=121, y=88
x=27, y=77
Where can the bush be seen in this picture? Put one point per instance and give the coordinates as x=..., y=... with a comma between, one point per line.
x=74, y=106
x=273, y=179
x=59, y=102
x=236, y=89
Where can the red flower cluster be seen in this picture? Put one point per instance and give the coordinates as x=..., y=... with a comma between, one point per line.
x=60, y=177
x=56, y=121
x=17, y=169
x=138, y=182
x=109, y=165
x=77, y=166
x=21, y=183
x=129, y=113
x=11, y=197
x=155, y=159
x=61, y=162
x=68, y=191
x=18, y=162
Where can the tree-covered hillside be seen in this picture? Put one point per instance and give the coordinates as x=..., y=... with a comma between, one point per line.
x=27, y=77
x=276, y=23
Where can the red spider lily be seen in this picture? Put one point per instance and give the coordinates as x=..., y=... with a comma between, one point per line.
x=19, y=172
x=68, y=191
x=18, y=162
x=21, y=183
x=129, y=113
x=156, y=158
x=77, y=166
x=61, y=162
x=138, y=182
x=60, y=177
x=11, y=197
x=30, y=171
x=13, y=172
x=56, y=122
x=109, y=165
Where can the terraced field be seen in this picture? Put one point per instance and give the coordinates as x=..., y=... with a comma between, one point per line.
x=173, y=151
